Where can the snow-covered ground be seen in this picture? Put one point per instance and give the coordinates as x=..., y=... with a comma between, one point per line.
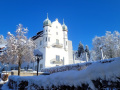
x=105, y=69
x=1, y=81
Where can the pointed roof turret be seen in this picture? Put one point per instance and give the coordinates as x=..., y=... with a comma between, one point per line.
x=64, y=27
x=47, y=22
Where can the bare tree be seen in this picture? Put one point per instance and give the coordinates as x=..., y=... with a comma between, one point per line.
x=19, y=48
x=110, y=44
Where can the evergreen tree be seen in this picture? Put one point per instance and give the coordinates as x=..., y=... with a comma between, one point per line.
x=80, y=49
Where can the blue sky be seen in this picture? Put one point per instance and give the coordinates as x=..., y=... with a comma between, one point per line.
x=85, y=18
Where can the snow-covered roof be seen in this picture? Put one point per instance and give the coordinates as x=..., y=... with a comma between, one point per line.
x=2, y=45
x=39, y=34
x=37, y=52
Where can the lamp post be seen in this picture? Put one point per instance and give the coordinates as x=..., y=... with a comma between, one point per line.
x=38, y=56
x=38, y=60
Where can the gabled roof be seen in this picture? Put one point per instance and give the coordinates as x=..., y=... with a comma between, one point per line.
x=39, y=34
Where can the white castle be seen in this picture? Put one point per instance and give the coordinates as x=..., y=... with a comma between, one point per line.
x=53, y=42
x=54, y=45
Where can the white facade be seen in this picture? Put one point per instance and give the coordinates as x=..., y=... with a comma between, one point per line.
x=53, y=42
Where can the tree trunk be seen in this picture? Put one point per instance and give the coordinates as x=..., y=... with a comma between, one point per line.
x=19, y=67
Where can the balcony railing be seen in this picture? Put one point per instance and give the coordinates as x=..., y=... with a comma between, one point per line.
x=58, y=45
x=54, y=61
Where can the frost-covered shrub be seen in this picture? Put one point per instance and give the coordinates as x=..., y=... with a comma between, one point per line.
x=12, y=84
x=22, y=85
x=97, y=76
x=79, y=66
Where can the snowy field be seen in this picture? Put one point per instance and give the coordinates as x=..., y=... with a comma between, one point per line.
x=105, y=70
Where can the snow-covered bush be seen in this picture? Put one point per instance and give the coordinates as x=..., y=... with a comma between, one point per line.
x=99, y=75
x=78, y=66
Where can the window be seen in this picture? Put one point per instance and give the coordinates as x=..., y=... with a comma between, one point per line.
x=40, y=42
x=49, y=30
x=66, y=42
x=49, y=39
x=57, y=58
x=57, y=41
x=25, y=68
x=46, y=30
x=36, y=68
x=46, y=39
x=56, y=26
x=41, y=66
x=56, y=33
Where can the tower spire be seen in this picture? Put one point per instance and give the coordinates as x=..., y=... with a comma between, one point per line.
x=47, y=15
x=63, y=20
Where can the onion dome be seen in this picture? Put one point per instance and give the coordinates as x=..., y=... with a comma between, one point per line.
x=64, y=27
x=47, y=22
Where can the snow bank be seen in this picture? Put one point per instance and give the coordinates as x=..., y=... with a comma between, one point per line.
x=104, y=70
x=1, y=81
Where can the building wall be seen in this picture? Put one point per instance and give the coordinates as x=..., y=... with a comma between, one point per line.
x=47, y=44
x=70, y=52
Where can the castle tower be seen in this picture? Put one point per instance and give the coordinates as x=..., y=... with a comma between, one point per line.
x=65, y=36
x=46, y=32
